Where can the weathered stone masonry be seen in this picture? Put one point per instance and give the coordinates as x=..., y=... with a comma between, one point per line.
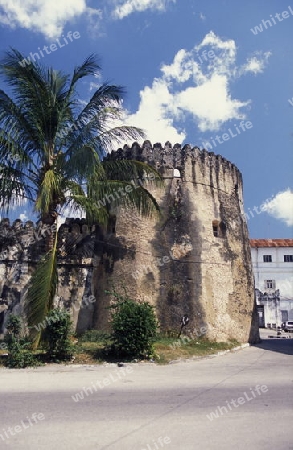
x=194, y=259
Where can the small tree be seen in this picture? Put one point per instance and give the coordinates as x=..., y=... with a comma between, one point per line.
x=57, y=332
x=19, y=355
x=134, y=327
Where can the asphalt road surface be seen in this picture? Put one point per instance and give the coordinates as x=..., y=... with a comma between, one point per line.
x=240, y=400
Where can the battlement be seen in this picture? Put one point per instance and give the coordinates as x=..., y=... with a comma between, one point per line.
x=171, y=157
x=189, y=163
x=25, y=241
x=29, y=225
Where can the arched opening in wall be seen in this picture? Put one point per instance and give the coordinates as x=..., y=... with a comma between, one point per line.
x=176, y=173
x=219, y=229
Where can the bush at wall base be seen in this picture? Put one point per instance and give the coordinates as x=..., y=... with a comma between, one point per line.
x=134, y=327
x=57, y=335
x=19, y=353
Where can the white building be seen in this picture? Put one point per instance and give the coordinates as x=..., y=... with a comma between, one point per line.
x=272, y=261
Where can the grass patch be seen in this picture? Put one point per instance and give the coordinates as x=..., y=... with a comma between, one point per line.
x=170, y=349
x=88, y=352
x=92, y=348
x=93, y=336
x=166, y=349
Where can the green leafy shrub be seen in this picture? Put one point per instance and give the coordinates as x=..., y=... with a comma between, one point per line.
x=19, y=357
x=19, y=352
x=57, y=333
x=134, y=327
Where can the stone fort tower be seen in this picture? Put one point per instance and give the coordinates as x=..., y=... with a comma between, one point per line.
x=194, y=260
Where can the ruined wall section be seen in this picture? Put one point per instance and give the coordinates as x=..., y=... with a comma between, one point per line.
x=22, y=245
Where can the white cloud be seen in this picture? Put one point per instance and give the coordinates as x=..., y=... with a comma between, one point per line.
x=23, y=216
x=212, y=39
x=181, y=68
x=94, y=86
x=127, y=7
x=151, y=116
x=49, y=17
x=96, y=24
x=210, y=103
x=45, y=16
x=196, y=84
x=281, y=207
x=255, y=64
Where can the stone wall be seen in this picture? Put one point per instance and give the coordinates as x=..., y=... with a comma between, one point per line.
x=194, y=259
x=21, y=246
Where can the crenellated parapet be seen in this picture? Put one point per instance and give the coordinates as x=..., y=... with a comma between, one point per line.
x=168, y=156
x=25, y=241
x=211, y=169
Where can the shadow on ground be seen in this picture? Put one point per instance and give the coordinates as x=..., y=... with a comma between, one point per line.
x=282, y=344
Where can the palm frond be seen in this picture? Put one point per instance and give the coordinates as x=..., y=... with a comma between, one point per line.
x=38, y=91
x=141, y=200
x=119, y=134
x=113, y=193
x=14, y=188
x=94, y=213
x=90, y=66
x=106, y=96
x=14, y=123
x=131, y=170
x=100, y=119
x=80, y=162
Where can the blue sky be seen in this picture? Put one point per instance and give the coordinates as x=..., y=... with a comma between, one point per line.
x=193, y=70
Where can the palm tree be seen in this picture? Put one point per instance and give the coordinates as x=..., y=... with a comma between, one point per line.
x=51, y=155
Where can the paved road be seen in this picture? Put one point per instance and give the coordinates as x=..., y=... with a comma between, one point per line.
x=241, y=400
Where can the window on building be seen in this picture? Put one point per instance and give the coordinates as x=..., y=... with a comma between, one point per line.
x=267, y=258
x=219, y=228
x=288, y=258
x=270, y=284
x=285, y=315
x=216, y=228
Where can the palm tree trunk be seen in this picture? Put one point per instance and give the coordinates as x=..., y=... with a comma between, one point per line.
x=43, y=286
x=49, y=220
